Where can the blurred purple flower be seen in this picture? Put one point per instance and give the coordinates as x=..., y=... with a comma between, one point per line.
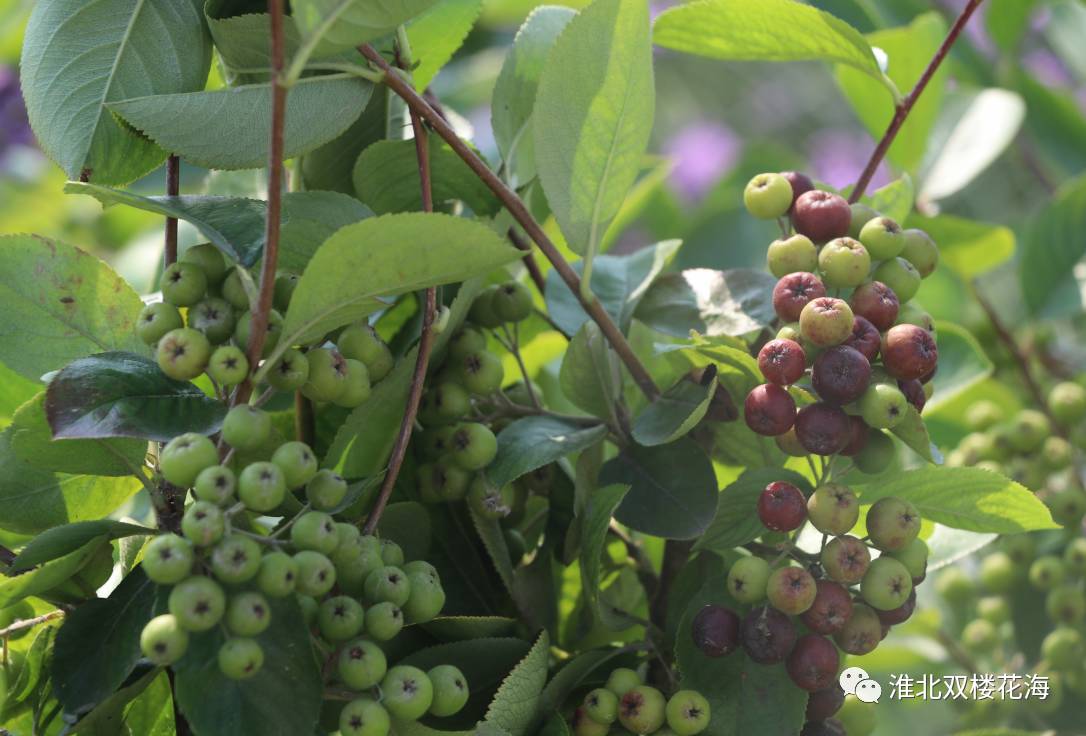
x=838, y=157
x=14, y=127
x=658, y=7
x=1047, y=68
x=701, y=153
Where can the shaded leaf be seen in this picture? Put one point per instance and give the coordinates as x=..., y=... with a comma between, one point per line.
x=1052, y=244
x=676, y=412
x=962, y=363
x=456, y=628
x=515, y=704
x=594, y=524
x=914, y=433
x=330, y=26
x=591, y=376
x=62, y=540
x=49, y=575
x=491, y=535
x=733, y=302
x=330, y=167
x=736, y=519
x=532, y=442
x=407, y=524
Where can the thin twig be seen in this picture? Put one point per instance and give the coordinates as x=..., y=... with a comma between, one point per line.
x=173, y=188
x=418, y=105
x=529, y=260
x=29, y=623
x=906, y=105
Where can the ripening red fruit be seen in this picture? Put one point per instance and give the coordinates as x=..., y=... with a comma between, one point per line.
x=782, y=362
x=901, y=614
x=769, y=410
x=813, y=663
x=821, y=216
x=858, y=434
x=801, y=184
x=793, y=292
x=909, y=352
x=715, y=630
x=823, y=429
x=840, y=374
x=877, y=302
x=767, y=635
x=821, y=704
x=782, y=507
x=831, y=609
x=865, y=337
x=914, y=393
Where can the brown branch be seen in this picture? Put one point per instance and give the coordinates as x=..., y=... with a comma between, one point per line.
x=419, y=106
x=906, y=105
x=529, y=260
x=173, y=188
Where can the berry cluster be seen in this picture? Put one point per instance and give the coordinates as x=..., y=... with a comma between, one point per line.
x=640, y=709
x=869, y=356
x=356, y=591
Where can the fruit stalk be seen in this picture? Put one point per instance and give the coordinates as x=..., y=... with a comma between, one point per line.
x=173, y=188
x=417, y=104
x=906, y=105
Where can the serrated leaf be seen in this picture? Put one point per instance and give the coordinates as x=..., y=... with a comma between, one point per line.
x=331, y=26
x=242, y=40
x=571, y=675
x=733, y=302
x=437, y=34
x=60, y=304
x=331, y=166
x=736, y=519
x=80, y=56
x=49, y=575
x=62, y=540
x=309, y=219
x=1052, y=244
x=532, y=442
x=515, y=704
x=595, y=521
x=661, y=501
x=965, y=498
x=676, y=412
x=491, y=535
x=126, y=395
x=962, y=363
x=590, y=375
x=318, y=110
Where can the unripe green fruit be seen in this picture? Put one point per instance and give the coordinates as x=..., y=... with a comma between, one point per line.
x=1074, y=555
x=791, y=590
x=364, y=717
x=235, y=559
x=1021, y=548
x=887, y=584
x=361, y=342
x=203, y=523
x=214, y=317
x=440, y=482
x=899, y=275
x=1046, y=572
x=291, y=372
x=361, y=664
x=240, y=658
x=861, y=215
x=450, y=690
x=315, y=530
x=601, y=705
x=316, y=574
x=183, y=354
x=688, y=713
x=826, y=321
x=185, y=457
x=407, y=692
x=327, y=375
x=994, y=608
x=490, y=502
x=285, y=284
x=426, y=600
x=622, y=680
x=445, y=402
x=228, y=365
x=955, y=587
x=163, y=641
x=857, y=717
x=1029, y=430
x=883, y=406
x=1063, y=649
x=391, y=553
x=383, y=621
x=209, y=259
x=585, y=726
x=642, y=710
x=261, y=486
x=246, y=427
x=914, y=556
x=156, y=320
x=511, y=302
x=1067, y=605
x=998, y=573
x=892, y=523
x=297, y=463
x=355, y=564
x=340, y=618
x=167, y=559
x=233, y=290
x=980, y=635
x=792, y=254
x=272, y=333
x=1057, y=453
x=468, y=340
x=877, y=454
x=883, y=238
x=472, y=446
x=748, y=578
x=277, y=575
x=1067, y=506
x=920, y=250
x=388, y=584
x=1067, y=402
x=198, y=603
x=984, y=415
x=248, y=614
x=833, y=509
x=482, y=373
x=326, y=490
x=482, y=309
x=844, y=263
x=767, y=197
x=183, y=284
x=358, y=385
x=862, y=632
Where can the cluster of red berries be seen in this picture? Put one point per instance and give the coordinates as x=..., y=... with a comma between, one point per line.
x=640, y=709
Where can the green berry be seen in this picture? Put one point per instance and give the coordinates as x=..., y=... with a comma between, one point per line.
x=248, y=614
x=1020, y=547
x=1067, y=402
x=450, y=690
x=883, y=238
x=1067, y=506
x=792, y=254
x=688, y=713
x=233, y=290
x=291, y=372
x=955, y=587
x=642, y=710
x=326, y=490
x=358, y=385
x=1046, y=572
x=1063, y=649
x=984, y=415
x=1057, y=453
x=920, y=250
x=246, y=428
x=364, y=717
x=388, y=584
x=361, y=664
x=297, y=463
x=468, y=340
x=892, y=523
x=980, y=635
x=235, y=559
x=274, y=329
x=748, y=578
x=585, y=726
x=1029, y=429
x=198, y=603
x=445, y=402
x=183, y=284
x=407, y=692
x=482, y=372
x=163, y=641
x=315, y=530
x=511, y=302
x=844, y=263
x=861, y=215
x=209, y=259
x=240, y=658
x=490, y=502
x=203, y=523
x=441, y=481
x=998, y=573
x=1067, y=605
x=472, y=446
x=183, y=354
x=901, y=276
x=340, y=618
x=767, y=197
x=826, y=321
x=1074, y=555
x=383, y=621
x=601, y=705
x=215, y=318
x=426, y=600
x=355, y=563
x=914, y=556
x=285, y=284
x=994, y=608
x=261, y=486
x=482, y=309
x=877, y=454
x=316, y=574
x=167, y=559
x=277, y=575
x=391, y=553
x=887, y=584
x=362, y=343
x=833, y=509
x=883, y=406
x=156, y=320
x=327, y=375
x=228, y=365
x=622, y=680
x=185, y=457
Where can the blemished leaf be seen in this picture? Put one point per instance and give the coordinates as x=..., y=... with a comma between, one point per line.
x=386, y=177
x=736, y=520
x=61, y=540
x=98, y=645
x=661, y=501
x=909, y=49
x=769, y=30
x=437, y=34
x=49, y=575
x=126, y=395
x=895, y=200
x=514, y=706
x=78, y=57
x=980, y=136
x=382, y=257
x=968, y=247
x=318, y=110
x=331, y=26
x=595, y=521
x=60, y=304
x=331, y=166
x=593, y=118
x=1052, y=244
x=513, y=101
x=591, y=376
x=965, y=498
x=676, y=412
x=733, y=302
x=283, y=697
x=962, y=363
x=914, y=433
x=33, y=500
x=491, y=535
x=532, y=442
x=33, y=442
x=619, y=282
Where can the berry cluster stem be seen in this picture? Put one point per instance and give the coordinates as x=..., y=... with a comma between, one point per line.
x=173, y=188
x=419, y=106
x=906, y=105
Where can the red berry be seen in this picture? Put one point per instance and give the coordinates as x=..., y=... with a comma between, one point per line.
x=914, y=393
x=769, y=410
x=823, y=429
x=821, y=216
x=821, y=704
x=840, y=374
x=877, y=302
x=813, y=663
x=909, y=352
x=716, y=631
x=793, y=292
x=782, y=361
x=898, y=615
x=865, y=337
x=782, y=507
x=767, y=635
x=831, y=609
x=801, y=184
x=857, y=438
x=831, y=727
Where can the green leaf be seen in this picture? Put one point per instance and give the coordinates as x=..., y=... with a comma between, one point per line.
x=386, y=177
x=736, y=520
x=331, y=166
x=571, y=675
x=126, y=395
x=909, y=49
x=733, y=302
x=1052, y=244
x=32, y=500
x=458, y=628
x=78, y=57
x=14, y=392
x=968, y=247
x=62, y=540
x=49, y=575
x=594, y=524
x=914, y=433
x=385, y=256
x=591, y=376
x=60, y=304
x=1007, y=21
x=493, y=539
x=532, y=442
x=947, y=546
x=675, y=413
x=1056, y=122
x=437, y=34
x=36, y=659
x=962, y=363
x=619, y=282
x=661, y=501
x=965, y=498
x=309, y=219
x=318, y=110
x=895, y=200
x=593, y=118
x=515, y=704
x=33, y=442
x=242, y=40
x=769, y=30
x=513, y=101
x=407, y=524
x=284, y=697
x=108, y=716
x=331, y=26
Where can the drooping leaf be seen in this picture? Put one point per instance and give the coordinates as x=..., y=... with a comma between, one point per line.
x=661, y=501
x=591, y=376
x=49, y=575
x=594, y=524
x=962, y=363
x=676, y=412
x=946, y=546
x=734, y=302
x=78, y=57
x=126, y=395
x=1052, y=244
x=331, y=26
x=318, y=110
x=61, y=540
x=331, y=166
x=437, y=34
x=532, y=442
x=60, y=304
x=514, y=706
x=736, y=519
x=593, y=117
x=914, y=433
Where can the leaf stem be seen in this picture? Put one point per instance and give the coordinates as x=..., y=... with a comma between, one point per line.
x=29, y=623
x=173, y=188
x=419, y=106
x=905, y=106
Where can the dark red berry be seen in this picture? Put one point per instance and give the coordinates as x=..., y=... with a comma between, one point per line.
x=794, y=291
x=782, y=361
x=858, y=435
x=823, y=429
x=769, y=410
x=821, y=704
x=898, y=615
x=813, y=663
x=831, y=727
x=877, y=302
x=914, y=392
x=926, y=379
x=821, y=216
x=716, y=631
x=840, y=374
x=831, y=608
x=865, y=338
x=767, y=635
x=782, y=507
x=801, y=184
x=909, y=352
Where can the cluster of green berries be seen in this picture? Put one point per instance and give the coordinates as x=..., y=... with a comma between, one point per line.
x=640, y=709
x=868, y=357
